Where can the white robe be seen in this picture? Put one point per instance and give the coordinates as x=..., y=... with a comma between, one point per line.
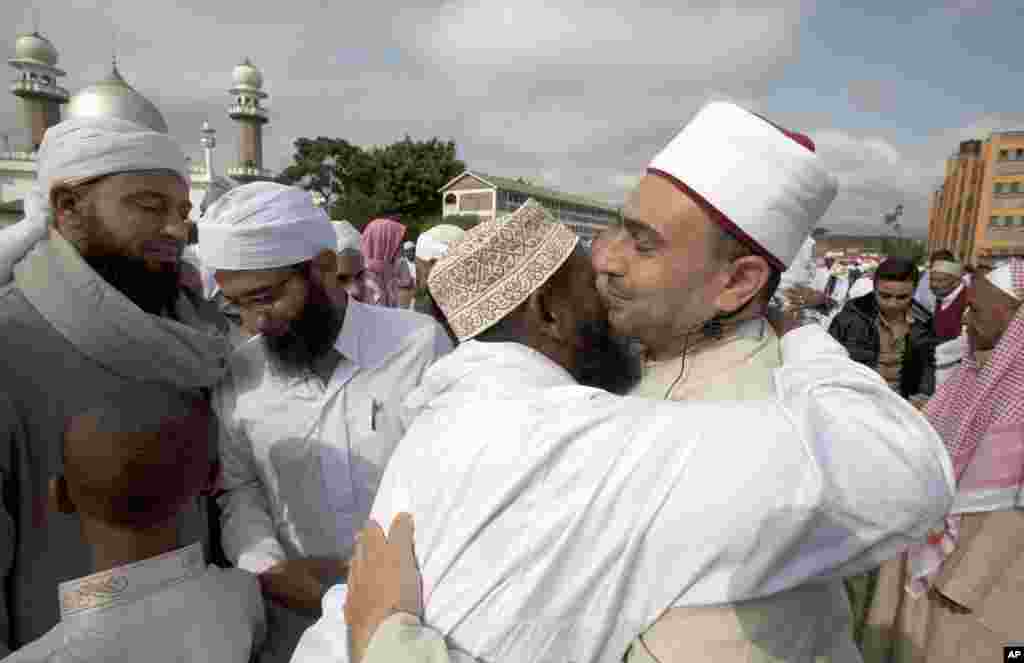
x=555, y=522
x=166, y=609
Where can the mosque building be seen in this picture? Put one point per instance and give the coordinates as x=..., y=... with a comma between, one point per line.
x=40, y=98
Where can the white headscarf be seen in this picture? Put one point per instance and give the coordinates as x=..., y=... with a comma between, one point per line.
x=77, y=150
x=433, y=244
x=263, y=225
x=349, y=239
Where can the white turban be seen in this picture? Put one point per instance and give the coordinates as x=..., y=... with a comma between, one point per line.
x=349, y=238
x=1009, y=278
x=263, y=225
x=433, y=244
x=947, y=267
x=77, y=150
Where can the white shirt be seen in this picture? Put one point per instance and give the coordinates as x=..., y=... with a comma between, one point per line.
x=301, y=461
x=924, y=295
x=555, y=522
x=171, y=608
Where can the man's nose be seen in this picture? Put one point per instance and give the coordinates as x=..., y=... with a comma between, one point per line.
x=606, y=253
x=178, y=227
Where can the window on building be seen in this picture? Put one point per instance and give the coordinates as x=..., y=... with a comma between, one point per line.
x=1020, y=155
x=998, y=187
x=993, y=221
x=1004, y=155
x=450, y=199
x=1014, y=187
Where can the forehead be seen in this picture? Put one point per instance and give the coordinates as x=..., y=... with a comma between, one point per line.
x=349, y=263
x=659, y=204
x=160, y=183
x=235, y=283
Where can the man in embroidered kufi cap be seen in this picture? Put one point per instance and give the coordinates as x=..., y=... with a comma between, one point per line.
x=556, y=521
x=94, y=307
x=957, y=596
x=310, y=406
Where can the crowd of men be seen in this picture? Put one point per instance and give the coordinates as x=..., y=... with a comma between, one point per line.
x=686, y=442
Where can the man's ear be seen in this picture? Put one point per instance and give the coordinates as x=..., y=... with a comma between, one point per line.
x=60, y=499
x=63, y=203
x=747, y=277
x=543, y=315
x=325, y=267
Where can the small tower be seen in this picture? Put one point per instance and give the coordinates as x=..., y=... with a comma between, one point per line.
x=208, y=141
x=35, y=59
x=251, y=116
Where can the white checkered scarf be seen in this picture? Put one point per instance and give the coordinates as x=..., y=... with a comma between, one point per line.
x=979, y=413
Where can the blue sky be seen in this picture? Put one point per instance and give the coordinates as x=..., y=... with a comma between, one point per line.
x=578, y=94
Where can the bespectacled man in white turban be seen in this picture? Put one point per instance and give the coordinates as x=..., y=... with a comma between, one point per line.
x=310, y=406
x=555, y=521
x=89, y=305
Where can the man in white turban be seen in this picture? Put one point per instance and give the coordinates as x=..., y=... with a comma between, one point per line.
x=310, y=406
x=94, y=308
x=555, y=521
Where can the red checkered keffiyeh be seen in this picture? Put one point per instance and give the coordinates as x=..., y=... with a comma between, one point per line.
x=979, y=413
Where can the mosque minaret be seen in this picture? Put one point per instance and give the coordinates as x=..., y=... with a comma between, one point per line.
x=39, y=96
x=248, y=111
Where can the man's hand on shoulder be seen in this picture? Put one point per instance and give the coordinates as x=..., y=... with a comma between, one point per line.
x=384, y=579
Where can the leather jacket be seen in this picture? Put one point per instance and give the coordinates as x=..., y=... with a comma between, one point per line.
x=856, y=328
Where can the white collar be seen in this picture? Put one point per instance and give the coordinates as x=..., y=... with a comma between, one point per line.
x=370, y=334
x=123, y=584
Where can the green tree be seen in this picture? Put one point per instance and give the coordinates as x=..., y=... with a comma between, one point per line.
x=359, y=184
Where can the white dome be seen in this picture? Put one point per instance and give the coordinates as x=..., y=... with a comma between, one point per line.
x=113, y=97
x=246, y=75
x=36, y=48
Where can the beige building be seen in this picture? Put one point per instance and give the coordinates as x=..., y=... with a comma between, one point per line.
x=40, y=99
x=490, y=197
x=978, y=212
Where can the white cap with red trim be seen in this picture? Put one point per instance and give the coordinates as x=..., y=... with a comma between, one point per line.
x=763, y=184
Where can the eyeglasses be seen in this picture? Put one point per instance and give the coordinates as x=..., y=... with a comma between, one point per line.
x=266, y=297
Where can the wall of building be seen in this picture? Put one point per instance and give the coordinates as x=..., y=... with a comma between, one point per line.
x=1000, y=231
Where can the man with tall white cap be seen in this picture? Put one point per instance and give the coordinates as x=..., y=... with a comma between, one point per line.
x=309, y=407
x=958, y=597
x=94, y=308
x=555, y=521
x=722, y=211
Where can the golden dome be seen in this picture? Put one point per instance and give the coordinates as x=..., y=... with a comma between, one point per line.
x=35, y=48
x=113, y=97
x=246, y=76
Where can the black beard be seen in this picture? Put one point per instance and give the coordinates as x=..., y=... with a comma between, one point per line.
x=309, y=337
x=604, y=360
x=155, y=292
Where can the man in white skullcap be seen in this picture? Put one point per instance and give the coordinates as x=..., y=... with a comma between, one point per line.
x=310, y=406
x=722, y=211
x=351, y=265
x=555, y=521
x=150, y=595
x=431, y=247
x=94, y=308
x=958, y=596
